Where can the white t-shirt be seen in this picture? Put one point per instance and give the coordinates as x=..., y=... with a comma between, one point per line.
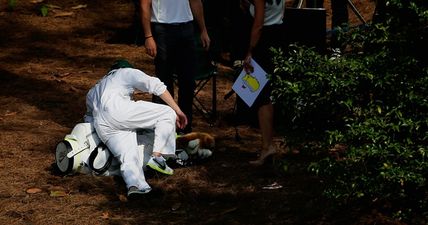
x=171, y=11
x=273, y=13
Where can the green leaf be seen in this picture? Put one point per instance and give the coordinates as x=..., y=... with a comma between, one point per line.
x=379, y=109
x=44, y=10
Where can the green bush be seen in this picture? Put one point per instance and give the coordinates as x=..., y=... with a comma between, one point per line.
x=372, y=102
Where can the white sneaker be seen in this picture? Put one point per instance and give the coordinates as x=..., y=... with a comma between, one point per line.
x=159, y=164
x=134, y=191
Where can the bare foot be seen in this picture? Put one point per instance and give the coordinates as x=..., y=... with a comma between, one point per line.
x=265, y=154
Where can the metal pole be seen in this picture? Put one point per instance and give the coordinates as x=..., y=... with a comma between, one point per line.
x=300, y=4
x=357, y=13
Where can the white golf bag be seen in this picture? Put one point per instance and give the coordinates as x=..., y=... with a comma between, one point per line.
x=82, y=151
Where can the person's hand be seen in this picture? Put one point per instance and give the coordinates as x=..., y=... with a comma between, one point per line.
x=205, y=40
x=150, y=45
x=247, y=64
x=181, y=119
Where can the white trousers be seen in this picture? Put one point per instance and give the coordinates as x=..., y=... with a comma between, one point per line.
x=118, y=130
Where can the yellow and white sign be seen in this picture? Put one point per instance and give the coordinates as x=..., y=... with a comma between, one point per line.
x=249, y=85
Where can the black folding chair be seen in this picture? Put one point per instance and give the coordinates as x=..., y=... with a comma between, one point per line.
x=206, y=72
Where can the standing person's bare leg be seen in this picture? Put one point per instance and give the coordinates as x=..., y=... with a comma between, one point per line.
x=265, y=114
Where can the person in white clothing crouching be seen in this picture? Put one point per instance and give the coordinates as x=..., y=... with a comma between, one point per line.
x=116, y=118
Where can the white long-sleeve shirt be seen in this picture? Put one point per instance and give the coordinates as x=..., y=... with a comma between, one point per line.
x=114, y=90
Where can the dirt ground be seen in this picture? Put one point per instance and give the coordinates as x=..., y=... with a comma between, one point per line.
x=47, y=64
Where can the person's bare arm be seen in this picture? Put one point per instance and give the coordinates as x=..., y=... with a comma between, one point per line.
x=181, y=117
x=198, y=14
x=146, y=14
x=256, y=31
